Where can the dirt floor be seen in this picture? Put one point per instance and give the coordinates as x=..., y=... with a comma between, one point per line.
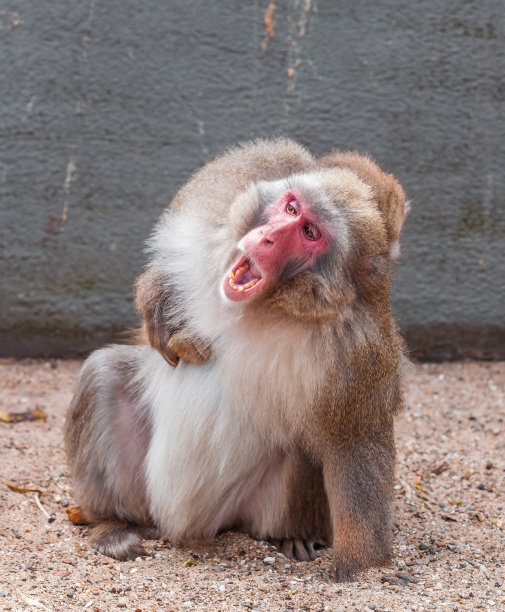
x=449, y=496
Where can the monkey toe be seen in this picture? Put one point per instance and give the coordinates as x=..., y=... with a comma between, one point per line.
x=296, y=549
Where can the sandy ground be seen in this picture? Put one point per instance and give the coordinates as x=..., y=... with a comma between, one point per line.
x=449, y=497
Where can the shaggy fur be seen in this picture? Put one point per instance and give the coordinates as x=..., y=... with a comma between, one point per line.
x=278, y=418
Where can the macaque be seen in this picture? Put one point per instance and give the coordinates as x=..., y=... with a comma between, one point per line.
x=269, y=289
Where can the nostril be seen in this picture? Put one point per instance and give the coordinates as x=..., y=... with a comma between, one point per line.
x=267, y=241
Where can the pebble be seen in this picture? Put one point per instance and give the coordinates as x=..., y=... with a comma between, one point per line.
x=70, y=593
x=269, y=560
x=122, y=602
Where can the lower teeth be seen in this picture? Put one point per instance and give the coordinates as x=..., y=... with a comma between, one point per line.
x=248, y=285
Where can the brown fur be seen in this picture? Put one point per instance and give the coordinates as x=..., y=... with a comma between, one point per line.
x=335, y=463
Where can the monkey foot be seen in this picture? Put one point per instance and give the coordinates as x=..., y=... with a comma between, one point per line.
x=296, y=549
x=121, y=540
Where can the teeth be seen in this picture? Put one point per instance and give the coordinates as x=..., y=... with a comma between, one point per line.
x=251, y=283
x=241, y=288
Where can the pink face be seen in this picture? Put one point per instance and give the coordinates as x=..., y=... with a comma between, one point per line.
x=292, y=235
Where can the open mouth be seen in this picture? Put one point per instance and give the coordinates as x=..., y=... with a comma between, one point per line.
x=243, y=280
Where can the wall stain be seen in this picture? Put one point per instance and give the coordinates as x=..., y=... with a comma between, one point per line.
x=298, y=27
x=269, y=25
x=71, y=168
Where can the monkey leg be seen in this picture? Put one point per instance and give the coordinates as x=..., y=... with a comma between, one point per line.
x=358, y=477
x=293, y=511
x=107, y=434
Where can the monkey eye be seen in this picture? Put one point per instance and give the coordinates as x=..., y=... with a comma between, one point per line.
x=290, y=209
x=310, y=232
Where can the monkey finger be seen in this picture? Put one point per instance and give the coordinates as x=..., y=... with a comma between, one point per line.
x=169, y=356
x=187, y=349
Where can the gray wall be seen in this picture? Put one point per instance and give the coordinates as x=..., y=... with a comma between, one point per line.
x=106, y=108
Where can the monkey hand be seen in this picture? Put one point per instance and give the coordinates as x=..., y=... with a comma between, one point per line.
x=154, y=299
x=190, y=350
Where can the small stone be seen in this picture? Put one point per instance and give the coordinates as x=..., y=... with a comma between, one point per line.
x=481, y=487
x=122, y=602
x=269, y=560
x=423, y=546
x=70, y=593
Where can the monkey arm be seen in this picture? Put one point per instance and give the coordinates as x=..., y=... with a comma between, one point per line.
x=167, y=333
x=358, y=479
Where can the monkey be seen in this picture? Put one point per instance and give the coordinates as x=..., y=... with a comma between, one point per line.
x=264, y=396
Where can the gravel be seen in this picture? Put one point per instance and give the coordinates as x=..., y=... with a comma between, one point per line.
x=449, y=538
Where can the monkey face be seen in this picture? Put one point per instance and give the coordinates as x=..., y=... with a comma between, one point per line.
x=292, y=236
x=294, y=251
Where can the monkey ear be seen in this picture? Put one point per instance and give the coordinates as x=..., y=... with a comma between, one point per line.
x=388, y=192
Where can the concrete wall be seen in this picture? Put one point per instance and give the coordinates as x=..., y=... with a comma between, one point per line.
x=106, y=108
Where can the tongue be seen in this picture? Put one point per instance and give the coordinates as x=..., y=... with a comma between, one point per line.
x=247, y=272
